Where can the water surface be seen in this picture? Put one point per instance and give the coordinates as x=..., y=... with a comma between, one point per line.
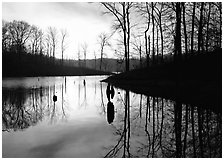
x=83, y=122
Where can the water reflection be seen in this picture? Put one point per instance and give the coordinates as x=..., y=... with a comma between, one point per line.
x=140, y=126
x=110, y=106
x=110, y=112
x=156, y=127
x=23, y=107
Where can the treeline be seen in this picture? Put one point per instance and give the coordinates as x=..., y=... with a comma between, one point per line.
x=20, y=37
x=154, y=29
x=150, y=32
x=23, y=64
x=28, y=51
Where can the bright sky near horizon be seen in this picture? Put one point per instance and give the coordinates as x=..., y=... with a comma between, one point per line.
x=83, y=22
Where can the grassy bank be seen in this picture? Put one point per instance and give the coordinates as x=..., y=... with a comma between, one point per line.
x=196, y=81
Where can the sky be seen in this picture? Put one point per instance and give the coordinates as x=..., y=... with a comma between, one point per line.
x=83, y=22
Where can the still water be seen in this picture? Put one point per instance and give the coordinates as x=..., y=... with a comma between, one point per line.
x=87, y=120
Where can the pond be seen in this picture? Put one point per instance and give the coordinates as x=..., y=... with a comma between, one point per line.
x=87, y=118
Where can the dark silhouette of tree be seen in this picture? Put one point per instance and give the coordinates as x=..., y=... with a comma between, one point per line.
x=53, y=33
x=103, y=41
x=36, y=40
x=95, y=60
x=137, y=47
x=153, y=33
x=159, y=12
x=178, y=52
x=192, y=28
x=185, y=29
x=147, y=47
x=6, y=40
x=207, y=26
x=64, y=34
x=84, y=48
x=121, y=11
x=200, y=35
x=79, y=57
x=19, y=32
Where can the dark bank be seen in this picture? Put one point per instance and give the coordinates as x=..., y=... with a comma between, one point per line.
x=197, y=80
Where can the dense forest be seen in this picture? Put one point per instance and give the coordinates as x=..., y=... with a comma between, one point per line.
x=152, y=33
x=158, y=28
x=189, y=35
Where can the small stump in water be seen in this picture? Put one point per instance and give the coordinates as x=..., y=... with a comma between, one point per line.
x=54, y=98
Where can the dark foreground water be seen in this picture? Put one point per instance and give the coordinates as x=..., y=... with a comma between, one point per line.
x=83, y=123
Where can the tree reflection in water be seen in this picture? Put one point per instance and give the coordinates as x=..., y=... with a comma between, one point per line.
x=24, y=107
x=156, y=127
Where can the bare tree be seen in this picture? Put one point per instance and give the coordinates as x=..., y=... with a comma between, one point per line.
x=6, y=40
x=159, y=15
x=52, y=32
x=200, y=36
x=207, y=27
x=36, y=39
x=137, y=47
x=178, y=33
x=103, y=41
x=192, y=28
x=79, y=57
x=121, y=11
x=153, y=34
x=95, y=59
x=84, y=48
x=64, y=33
x=146, y=43
x=20, y=32
x=185, y=29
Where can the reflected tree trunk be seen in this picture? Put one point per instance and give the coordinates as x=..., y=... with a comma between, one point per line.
x=129, y=124
x=146, y=126
x=62, y=99
x=186, y=129
x=161, y=127
x=79, y=88
x=125, y=122
x=200, y=132
x=102, y=102
x=65, y=85
x=153, y=126
x=140, y=108
x=177, y=124
x=208, y=132
x=193, y=133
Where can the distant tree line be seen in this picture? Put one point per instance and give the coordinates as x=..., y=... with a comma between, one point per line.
x=20, y=37
x=154, y=29
x=151, y=32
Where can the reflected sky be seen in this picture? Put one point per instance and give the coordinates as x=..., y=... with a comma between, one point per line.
x=87, y=120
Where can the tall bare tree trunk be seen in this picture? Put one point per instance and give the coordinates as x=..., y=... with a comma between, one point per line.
x=125, y=37
x=192, y=29
x=153, y=36
x=161, y=35
x=200, y=38
x=207, y=29
x=157, y=43
x=146, y=43
x=185, y=29
x=178, y=34
x=128, y=34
